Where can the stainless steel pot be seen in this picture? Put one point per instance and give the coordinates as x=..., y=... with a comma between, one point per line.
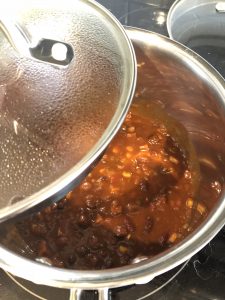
x=191, y=91
x=197, y=23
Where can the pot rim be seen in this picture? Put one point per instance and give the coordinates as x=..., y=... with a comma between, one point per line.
x=170, y=16
x=144, y=271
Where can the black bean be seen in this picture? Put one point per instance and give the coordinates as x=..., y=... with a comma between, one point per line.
x=43, y=248
x=147, y=199
x=47, y=210
x=91, y=203
x=111, y=239
x=39, y=215
x=115, y=208
x=54, y=206
x=148, y=225
x=60, y=232
x=129, y=224
x=83, y=220
x=103, y=210
x=107, y=199
x=144, y=186
x=71, y=258
x=164, y=171
x=103, y=178
x=163, y=239
x=121, y=230
x=93, y=259
x=60, y=205
x=58, y=262
x=94, y=242
x=39, y=229
x=108, y=261
x=82, y=250
x=131, y=207
x=124, y=259
x=62, y=241
x=103, y=252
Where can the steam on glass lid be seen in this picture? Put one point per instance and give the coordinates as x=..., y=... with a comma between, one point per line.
x=67, y=77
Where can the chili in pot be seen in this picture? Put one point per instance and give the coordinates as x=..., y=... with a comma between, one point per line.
x=138, y=201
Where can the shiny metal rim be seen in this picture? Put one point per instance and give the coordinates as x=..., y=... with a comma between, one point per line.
x=29, y=291
x=169, y=16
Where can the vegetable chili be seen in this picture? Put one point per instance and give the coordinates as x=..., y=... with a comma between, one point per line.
x=136, y=202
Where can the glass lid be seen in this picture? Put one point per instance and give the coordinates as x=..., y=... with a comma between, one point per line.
x=67, y=77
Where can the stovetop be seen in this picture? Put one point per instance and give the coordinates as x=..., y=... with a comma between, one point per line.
x=203, y=277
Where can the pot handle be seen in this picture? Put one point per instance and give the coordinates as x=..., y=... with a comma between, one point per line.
x=220, y=7
x=46, y=50
x=79, y=294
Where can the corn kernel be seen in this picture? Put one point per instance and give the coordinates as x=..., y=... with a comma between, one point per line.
x=115, y=150
x=120, y=167
x=189, y=202
x=144, y=147
x=172, y=238
x=123, y=249
x=173, y=160
x=129, y=236
x=130, y=149
x=201, y=208
x=101, y=171
x=128, y=155
x=131, y=129
x=126, y=174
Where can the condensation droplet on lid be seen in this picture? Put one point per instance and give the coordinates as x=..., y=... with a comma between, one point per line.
x=15, y=125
